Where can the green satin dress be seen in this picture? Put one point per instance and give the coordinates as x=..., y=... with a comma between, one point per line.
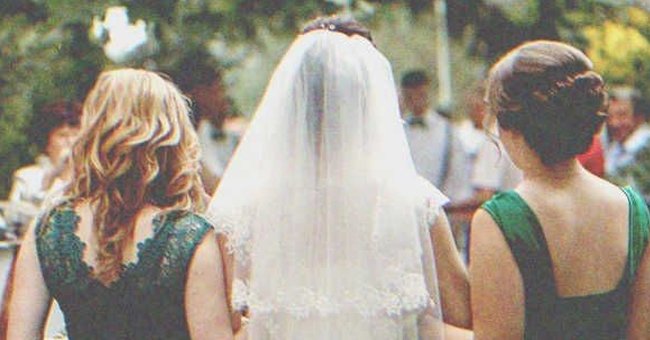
x=549, y=316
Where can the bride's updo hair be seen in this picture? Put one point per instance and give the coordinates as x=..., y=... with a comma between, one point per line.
x=345, y=25
x=549, y=93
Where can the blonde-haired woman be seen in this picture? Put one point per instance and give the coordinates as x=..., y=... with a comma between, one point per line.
x=126, y=256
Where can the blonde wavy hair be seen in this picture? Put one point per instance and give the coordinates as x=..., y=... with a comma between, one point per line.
x=137, y=147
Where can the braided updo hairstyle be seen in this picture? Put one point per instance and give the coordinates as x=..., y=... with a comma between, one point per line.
x=549, y=93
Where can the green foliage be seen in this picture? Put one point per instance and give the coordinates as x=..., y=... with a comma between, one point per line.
x=616, y=37
x=39, y=63
x=47, y=54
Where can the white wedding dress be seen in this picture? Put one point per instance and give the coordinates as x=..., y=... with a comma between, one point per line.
x=322, y=208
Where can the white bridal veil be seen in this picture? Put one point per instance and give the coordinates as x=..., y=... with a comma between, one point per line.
x=322, y=207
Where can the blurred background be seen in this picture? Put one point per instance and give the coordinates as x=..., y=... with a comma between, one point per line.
x=52, y=51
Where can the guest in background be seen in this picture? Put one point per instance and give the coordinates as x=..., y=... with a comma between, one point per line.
x=470, y=128
x=202, y=81
x=627, y=130
x=435, y=144
x=493, y=171
x=55, y=128
x=491, y=168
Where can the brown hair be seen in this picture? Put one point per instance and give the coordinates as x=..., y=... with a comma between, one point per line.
x=52, y=116
x=415, y=78
x=549, y=93
x=137, y=147
x=345, y=25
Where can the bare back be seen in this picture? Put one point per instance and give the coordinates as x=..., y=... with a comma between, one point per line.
x=585, y=223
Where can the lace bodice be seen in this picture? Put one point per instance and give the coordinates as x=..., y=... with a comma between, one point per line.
x=146, y=302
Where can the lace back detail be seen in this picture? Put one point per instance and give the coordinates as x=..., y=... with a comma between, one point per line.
x=164, y=254
x=60, y=250
x=147, y=301
x=407, y=295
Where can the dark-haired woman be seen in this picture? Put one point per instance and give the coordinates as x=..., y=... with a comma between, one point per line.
x=54, y=130
x=561, y=256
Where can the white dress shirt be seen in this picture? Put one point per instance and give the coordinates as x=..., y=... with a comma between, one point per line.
x=28, y=181
x=439, y=155
x=27, y=191
x=216, y=147
x=471, y=136
x=619, y=155
x=493, y=169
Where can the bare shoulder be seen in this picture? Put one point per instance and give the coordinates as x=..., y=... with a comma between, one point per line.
x=207, y=251
x=603, y=194
x=495, y=282
x=589, y=194
x=489, y=247
x=485, y=231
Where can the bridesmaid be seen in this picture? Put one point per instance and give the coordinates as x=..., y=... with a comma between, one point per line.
x=125, y=255
x=561, y=256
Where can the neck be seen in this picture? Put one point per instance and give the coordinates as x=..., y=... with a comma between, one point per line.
x=554, y=175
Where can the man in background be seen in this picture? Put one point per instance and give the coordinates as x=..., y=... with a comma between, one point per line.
x=470, y=128
x=627, y=131
x=436, y=148
x=203, y=83
x=55, y=129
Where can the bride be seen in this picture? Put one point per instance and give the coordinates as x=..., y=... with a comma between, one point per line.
x=331, y=229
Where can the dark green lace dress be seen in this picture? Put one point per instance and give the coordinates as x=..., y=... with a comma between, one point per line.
x=548, y=315
x=147, y=301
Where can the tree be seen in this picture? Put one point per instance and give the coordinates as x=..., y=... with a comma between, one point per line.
x=46, y=53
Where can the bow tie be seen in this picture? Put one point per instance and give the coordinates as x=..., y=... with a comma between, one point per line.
x=217, y=135
x=416, y=121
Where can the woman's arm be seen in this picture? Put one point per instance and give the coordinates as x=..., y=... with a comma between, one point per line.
x=639, y=327
x=452, y=275
x=228, y=262
x=206, y=303
x=495, y=281
x=30, y=299
x=456, y=333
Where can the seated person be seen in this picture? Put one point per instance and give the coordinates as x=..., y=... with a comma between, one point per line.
x=627, y=130
x=55, y=129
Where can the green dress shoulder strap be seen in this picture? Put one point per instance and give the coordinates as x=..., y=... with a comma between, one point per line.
x=525, y=238
x=548, y=315
x=639, y=233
